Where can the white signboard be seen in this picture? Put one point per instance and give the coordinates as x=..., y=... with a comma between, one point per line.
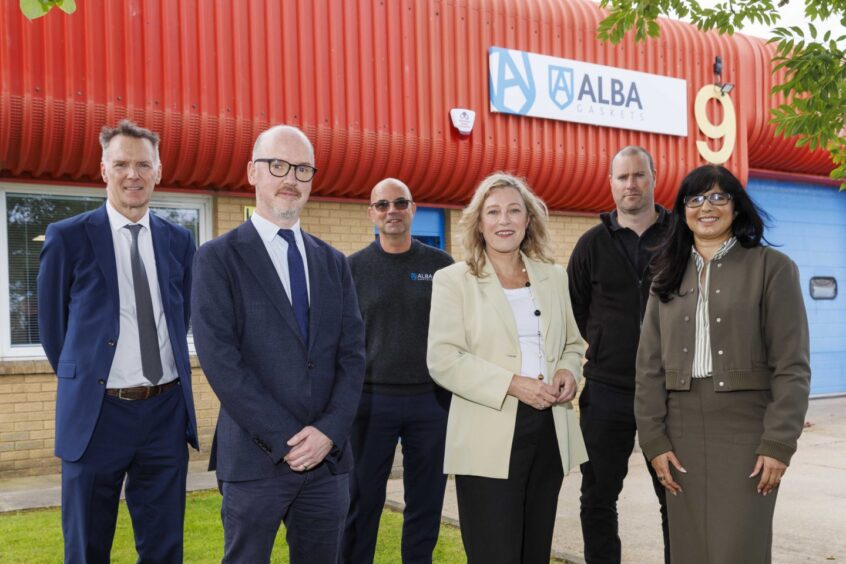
x=535, y=85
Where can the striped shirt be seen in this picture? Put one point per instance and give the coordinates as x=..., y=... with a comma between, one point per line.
x=702, y=360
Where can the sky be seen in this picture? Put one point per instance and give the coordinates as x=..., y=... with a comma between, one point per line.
x=791, y=14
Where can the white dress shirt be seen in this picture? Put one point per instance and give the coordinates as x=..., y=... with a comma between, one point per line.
x=126, y=369
x=277, y=248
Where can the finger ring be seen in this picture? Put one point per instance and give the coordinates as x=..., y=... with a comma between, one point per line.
x=660, y=478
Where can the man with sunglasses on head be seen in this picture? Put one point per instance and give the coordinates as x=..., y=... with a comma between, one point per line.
x=280, y=338
x=609, y=287
x=393, y=279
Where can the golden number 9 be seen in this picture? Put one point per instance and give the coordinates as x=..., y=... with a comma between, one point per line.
x=726, y=129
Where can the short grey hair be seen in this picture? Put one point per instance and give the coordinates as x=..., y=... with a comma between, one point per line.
x=273, y=130
x=128, y=129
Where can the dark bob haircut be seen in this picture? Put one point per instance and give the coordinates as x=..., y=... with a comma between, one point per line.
x=673, y=254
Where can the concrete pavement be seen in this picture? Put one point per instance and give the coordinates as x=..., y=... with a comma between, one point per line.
x=810, y=518
x=810, y=521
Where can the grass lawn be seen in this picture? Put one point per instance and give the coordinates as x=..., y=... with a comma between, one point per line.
x=35, y=537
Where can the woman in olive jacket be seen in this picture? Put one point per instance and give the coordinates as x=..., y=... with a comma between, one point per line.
x=723, y=373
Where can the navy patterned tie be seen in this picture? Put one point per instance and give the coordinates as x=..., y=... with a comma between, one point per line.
x=151, y=360
x=299, y=290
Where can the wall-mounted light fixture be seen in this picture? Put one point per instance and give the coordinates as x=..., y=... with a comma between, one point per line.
x=723, y=87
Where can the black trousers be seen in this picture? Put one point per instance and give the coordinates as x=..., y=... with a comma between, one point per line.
x=511, y=521
x=608, y=426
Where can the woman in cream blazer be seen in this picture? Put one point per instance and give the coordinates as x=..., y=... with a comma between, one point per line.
x=511, y=435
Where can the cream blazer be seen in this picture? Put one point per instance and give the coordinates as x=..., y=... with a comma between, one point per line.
x=474, y=351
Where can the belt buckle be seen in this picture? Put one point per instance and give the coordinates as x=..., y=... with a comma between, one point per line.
x=121, y=396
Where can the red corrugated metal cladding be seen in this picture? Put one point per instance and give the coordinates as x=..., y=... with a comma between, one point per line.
x=371, y=82
x=766, y=150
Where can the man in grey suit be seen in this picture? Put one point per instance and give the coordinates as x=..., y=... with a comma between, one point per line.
x=279, y=335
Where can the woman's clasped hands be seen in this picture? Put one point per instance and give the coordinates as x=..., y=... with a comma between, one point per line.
x=540, y=395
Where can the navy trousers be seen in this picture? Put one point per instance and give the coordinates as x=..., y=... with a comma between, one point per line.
x=312, y=505
x=608, y=426
x=143, y=442
x=419, y=422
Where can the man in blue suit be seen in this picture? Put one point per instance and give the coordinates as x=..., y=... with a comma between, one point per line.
x=280, y=338
x=113, y=306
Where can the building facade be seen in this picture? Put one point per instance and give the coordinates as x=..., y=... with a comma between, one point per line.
x=381, y=88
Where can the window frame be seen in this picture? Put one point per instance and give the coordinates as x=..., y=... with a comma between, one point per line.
x=161, y=199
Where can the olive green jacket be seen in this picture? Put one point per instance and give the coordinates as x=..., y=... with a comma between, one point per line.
x=759, y=341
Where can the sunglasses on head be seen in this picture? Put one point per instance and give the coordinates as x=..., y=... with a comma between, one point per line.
x=399, y=204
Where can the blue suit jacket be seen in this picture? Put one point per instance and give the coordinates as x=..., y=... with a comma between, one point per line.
x=270, y=383
x=78, y=316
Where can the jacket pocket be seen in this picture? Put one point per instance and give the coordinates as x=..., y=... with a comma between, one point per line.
x=66, y=370
x=675, y=380
x=736, y=380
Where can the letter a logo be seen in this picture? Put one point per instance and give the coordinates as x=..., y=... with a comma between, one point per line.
x=512, y=87
x=561, y=86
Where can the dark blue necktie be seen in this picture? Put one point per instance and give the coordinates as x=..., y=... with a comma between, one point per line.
x=299, y=290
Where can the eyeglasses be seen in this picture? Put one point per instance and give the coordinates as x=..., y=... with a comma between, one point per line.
x=280, y=169
x=400, y=204
x=715, y=198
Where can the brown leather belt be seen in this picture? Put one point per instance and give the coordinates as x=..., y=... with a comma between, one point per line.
x=140, y=392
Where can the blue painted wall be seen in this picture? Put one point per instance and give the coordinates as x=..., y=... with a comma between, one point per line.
x=809, y=224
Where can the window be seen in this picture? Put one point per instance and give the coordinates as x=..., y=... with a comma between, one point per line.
x=27, y=212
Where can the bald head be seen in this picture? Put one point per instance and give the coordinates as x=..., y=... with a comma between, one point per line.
x=281, y=198
x=632, y=151
x=392, y=210
x=383, y=186
x=277, y=133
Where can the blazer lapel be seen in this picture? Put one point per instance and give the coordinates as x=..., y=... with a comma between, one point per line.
x=495, y=297
x=251, y=248
x=317, y=276
x=99, y=233
x=541, y=292
x=161, y=250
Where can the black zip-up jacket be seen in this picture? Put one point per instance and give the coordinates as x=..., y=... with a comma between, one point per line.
x=609, y=296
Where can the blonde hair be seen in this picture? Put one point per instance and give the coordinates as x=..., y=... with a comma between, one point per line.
x=536, y=242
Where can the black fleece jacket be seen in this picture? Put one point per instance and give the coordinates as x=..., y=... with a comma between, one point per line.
x=609, y=296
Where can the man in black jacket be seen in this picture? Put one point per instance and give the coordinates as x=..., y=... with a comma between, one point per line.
x=609, y=286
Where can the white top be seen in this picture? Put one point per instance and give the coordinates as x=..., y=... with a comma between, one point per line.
x=528, y=332
x=126, y=367
x=277, y=248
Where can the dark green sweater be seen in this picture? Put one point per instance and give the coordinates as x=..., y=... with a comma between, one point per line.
x=395, y=294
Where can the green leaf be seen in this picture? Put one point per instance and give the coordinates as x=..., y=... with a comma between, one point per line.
x=32, y=9
x=67, y=6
